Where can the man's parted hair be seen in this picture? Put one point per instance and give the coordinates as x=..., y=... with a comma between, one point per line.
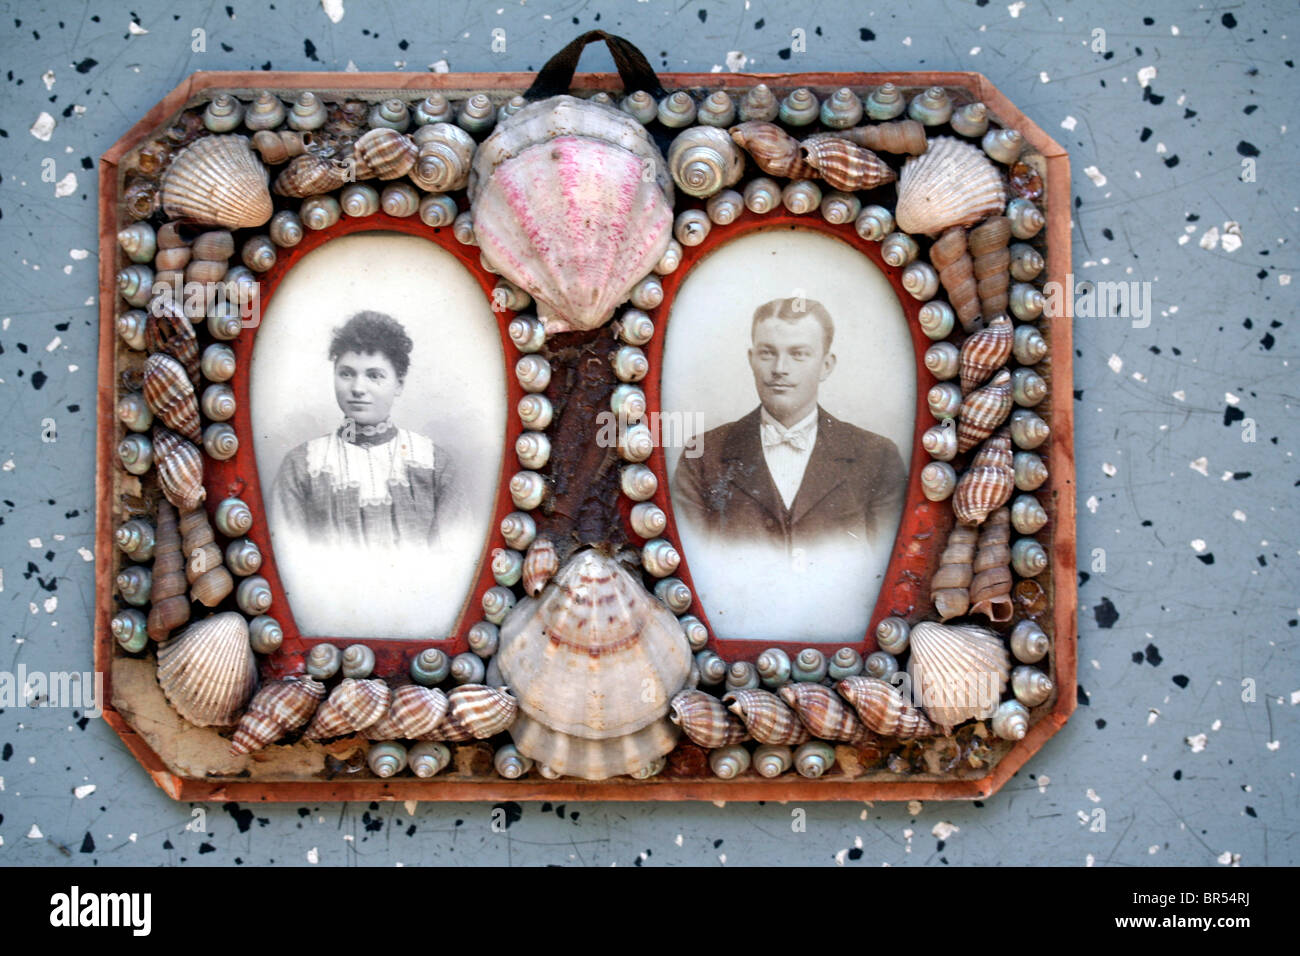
x=792, y=310
x=374, y=332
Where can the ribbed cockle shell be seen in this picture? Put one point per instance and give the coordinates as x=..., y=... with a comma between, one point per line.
x=352, y=706
x=705, y=720
x=208, y=672
x=957, y=672
x=951, y=184
x=824, y=713
x=279, y=708
x=766, y=716
x=883, y=709
x=217, y=181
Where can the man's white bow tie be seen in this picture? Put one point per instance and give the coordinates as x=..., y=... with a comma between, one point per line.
x=772, y=436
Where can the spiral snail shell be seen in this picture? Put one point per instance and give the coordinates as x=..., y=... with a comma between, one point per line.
x=898, y=249
x=741, y=675
x=880, y=665
x=892, y=635
x=937, y=319
x=799, y=108
x=437, y=210
x=697, y=635
x=1029, y=643
x=467, y=668
x=628, y=402
x=265, y=634
x=940, y=441
x=814, y=758
x=1026, y=302
x=233, y=517
x=809, y=665
x=841, y=109
x=839, y=207
x=723, y=208
x=1028, y=345
x=641, y=106
x=846, y=662
x=921, y=281
x=253, y=595
x=677, y=110
x=358, y=200
x=139, y=242
x=712, y=668
x=773, y=666
x=507, y=566
x=527, y=488
x=660, y=557
x=135, y=584
x=535, y=412
x=533, y=449
x=824, y=713
x=938, y=480
x=1029, y=471
x=634, y=327
x=136, y=453
x=510, y=763
x=389, y=114
x=630, y=364
x=703, y=160
x=130, y=326
x=427, y=758
x=134, y=412
x=801, y=197
x=128, y=628
x=1003, y=145
x=386, y=758
x=638, y=482
x=135, y=284
x=429, y=667
x=729, y=762
x=874, y=223
x=648, y=519
x=635, y=442
x=674, y=593
x=462, y=228
x=1011, y=720
x=971, y=120
x=844, y=164
x=648, y=293
x=691, y=227
x=265, y=112
x=1026, y=218
x=718, y=109
x=518, y=529
x=943, y=359
x=324, y=661
x=758, y=105
x=885, y=102
x=1028, y=388
x=1031, y=686
x=434, y=108
x=932, y=107
x=762, y=195
x=223, y=113
x=1028, y=430
x=483, y=638
x=527, y=333
x=277, y=709
x=135, y=539
x=1026, y=262
x=319, y=212
x=497, y=603
x=1028, y=558
x=944, y=400
x=772, y=760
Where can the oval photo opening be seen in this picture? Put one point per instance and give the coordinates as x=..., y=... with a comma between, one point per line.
x=378, y=407
x=788, y=409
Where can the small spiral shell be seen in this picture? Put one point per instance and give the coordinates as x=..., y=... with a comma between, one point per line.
x=1028, y=388
x=943, y=359
x=638, y=482
x=533, y=373
x=933, y=107
x=1026, y=302
x=128, y=628
x=697, y=635
x=802, y=197
x=135, y=539
x=635, y=442
x=358, y=200
x=265, y=634
x=766, y=716
x=483, y=638
x=921, y=281
x=427, y=758
x=758, y=105
x=1029, y=558
x=386, y=758
x=824, y=713
x=741, y=675
x=800, y=107
x=510, y=763
x=671, y=259
x=884, y=103
x=880, y=664
x=535, y=412
x=497, y=603
x=389, y=114
x=674, y=593
x=841, y=109
x=628, y=402
x=135, y=584
x=730, y=762
x=634, y=327
x=253, y=595
x=307, y=113
x=518, y=529
x=944, y=400
x=648, y=520
x=660, y=557
x=712, y=668
x=527, y=332
x=463, y=229
x=839, y=207
x=940, y=441
x=134, y=412
x=814, y=758
x=971, y=120
x=507, y=566
x=630, y=364
x=319, y=212
x=400, y=200
x=1028, y=430
x=324, y=661
x=1003, y=145
x=527, y=488
x=990, y=585
x=139, y=242
x=430, y=667
x=130, y=326
x=874, y=223
x=809, y=665
x=718, y=109
x=508, y=297
x=641, y=106
x=533, y=449
x=898, y=249
x=1011, y=720
x=517, y=102
x=938, y=480
x=467, y=668
x=135, y=284
x=1031, y=686
x=1029, y=470
x=1027, y=514
x=438, y=211
x=892, y=635
x=648, y=293
x=703, y=160
x=762, y=195
x=434, y=108
x=220, y=441
x=723, y=208
x=691, y=227
x=1029, y=644
x=677, y=110
x=1029, y=347
x=1026, y=262
x=1026, y=218
x=218, y=402
x=772, y=760
x=773, y=666
x=846, y=662
x=265, y=112
x=936, y=319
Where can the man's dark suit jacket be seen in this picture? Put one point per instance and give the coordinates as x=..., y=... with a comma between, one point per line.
x=852, y=490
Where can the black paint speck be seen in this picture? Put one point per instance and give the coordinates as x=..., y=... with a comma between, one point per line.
x=784, y=53
x=865, y=35
x=1137, y=657
x=243, y=818
x=716, y=844
x=1172, y=161
x=1240, y=475
x=1082, y=696
x=38, y=379
x=1250, y=812
x=372, y=824
x=1105, y=614
x=1250, y=109
x=1267, y=341
x=1188, y=114
x=513, y=812
x=1228, y=20
x=7, y=751
x=1101, y=723
x=1247, y=148
x=1150, y=97
x=939, y=846
x=703, y=15
x=1084, y=577
x=309, y=50
x=86, y=65
x=759, y=23
x=1207, y=558
x=206, y=847
x=1108, y=234
x=403, y=44
x=1178, y=775
x=87, y=843
x=1182, y=680
x=1153, y=656
x=1147, y=21
x=1145, y=134
x=1231, y=414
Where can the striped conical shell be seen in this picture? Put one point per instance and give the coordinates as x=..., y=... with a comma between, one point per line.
x=540, y=565
x=957, y=672
x=170, y=394
x=567, y=755
x=956, y=271
x=217, y=181
x=995, y=452
x=384, y=153
x=981, y=491
x=208, y=672
x=180, y=469
x=883, y=709
x=279, y=708
x=985, y=352
x=168, y=330
x=990, y=588
x=705, y=720
x=475, y=712
x=352, y=706
x=766, y=717
x=824, y=713
x=846, y=165
x=983, y=410
x=773, y=150
x=309, y=175
x=952, y=184
x=595, y=655
x=413, y=713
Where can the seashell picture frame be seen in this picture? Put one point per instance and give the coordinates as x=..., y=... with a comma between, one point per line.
x=578, y=524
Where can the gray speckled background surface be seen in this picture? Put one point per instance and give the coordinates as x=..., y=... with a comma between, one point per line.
x=1196, y=523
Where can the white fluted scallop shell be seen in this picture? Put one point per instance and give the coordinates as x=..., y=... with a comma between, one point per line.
x=958, y=672
x=574, y=756
x=218, y=181
x=562, y=208
x=951, y=184
x=208, y=672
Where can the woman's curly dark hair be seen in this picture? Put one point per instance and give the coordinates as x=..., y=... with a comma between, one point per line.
x=371, y=332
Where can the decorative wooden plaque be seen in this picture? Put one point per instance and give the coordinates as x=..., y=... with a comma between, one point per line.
x=620, y=418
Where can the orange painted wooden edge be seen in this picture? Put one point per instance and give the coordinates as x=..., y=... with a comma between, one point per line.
x=1061, y=467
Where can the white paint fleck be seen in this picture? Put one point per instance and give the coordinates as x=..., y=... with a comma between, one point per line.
x=1228, y=858
x=1283, y=279
x=1273, y=744
x=1108, y=469
x=1152, y=716
x=1015, y=8
x=1201, y=465
x=1209, y=239
x=51, y=603
x=1083, y=817
x=43, y=128
x=48, y=79
x=132, y=837
x=1182, y=240
x=34, y=543
x=351, y=68
x=411, y=806
x=1174, y=30
x=83, y=791
x=1092, y=795
x=914, y=808
x=943, y=829
x=1239, y=515
x=56, y=341
x=974, y=51
x=736, y=61
x=333, y=9
x=78, y=253
x=313, y=855
x=1069, y=123
x=1095, y=174
x=1231, y=240
x=1161, y=149
x=1116, y=363
x=65, y=186
x=440, y=66
x=1226, y=476
x=722, y=858
x=1180, y=395
x=1216, y=725
x=1153, y=849
x=1096, y=664
x=1089, y=860
x=86, y=554
x=1043, y=77
x=841, y=856
x=135, y=29
x=1198, y=544
x=1139, y=377
x=907, y=41
x=1043, y=781
x=1295, y=699
x=1145, y=75
x=35, y=833
x=1197, y=742
x=1092, y=503
x=678, y=839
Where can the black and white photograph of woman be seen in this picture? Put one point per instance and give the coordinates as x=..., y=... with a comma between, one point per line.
x=378, y=408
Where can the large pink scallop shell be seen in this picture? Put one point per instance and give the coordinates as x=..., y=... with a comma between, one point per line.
x=574, y=223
